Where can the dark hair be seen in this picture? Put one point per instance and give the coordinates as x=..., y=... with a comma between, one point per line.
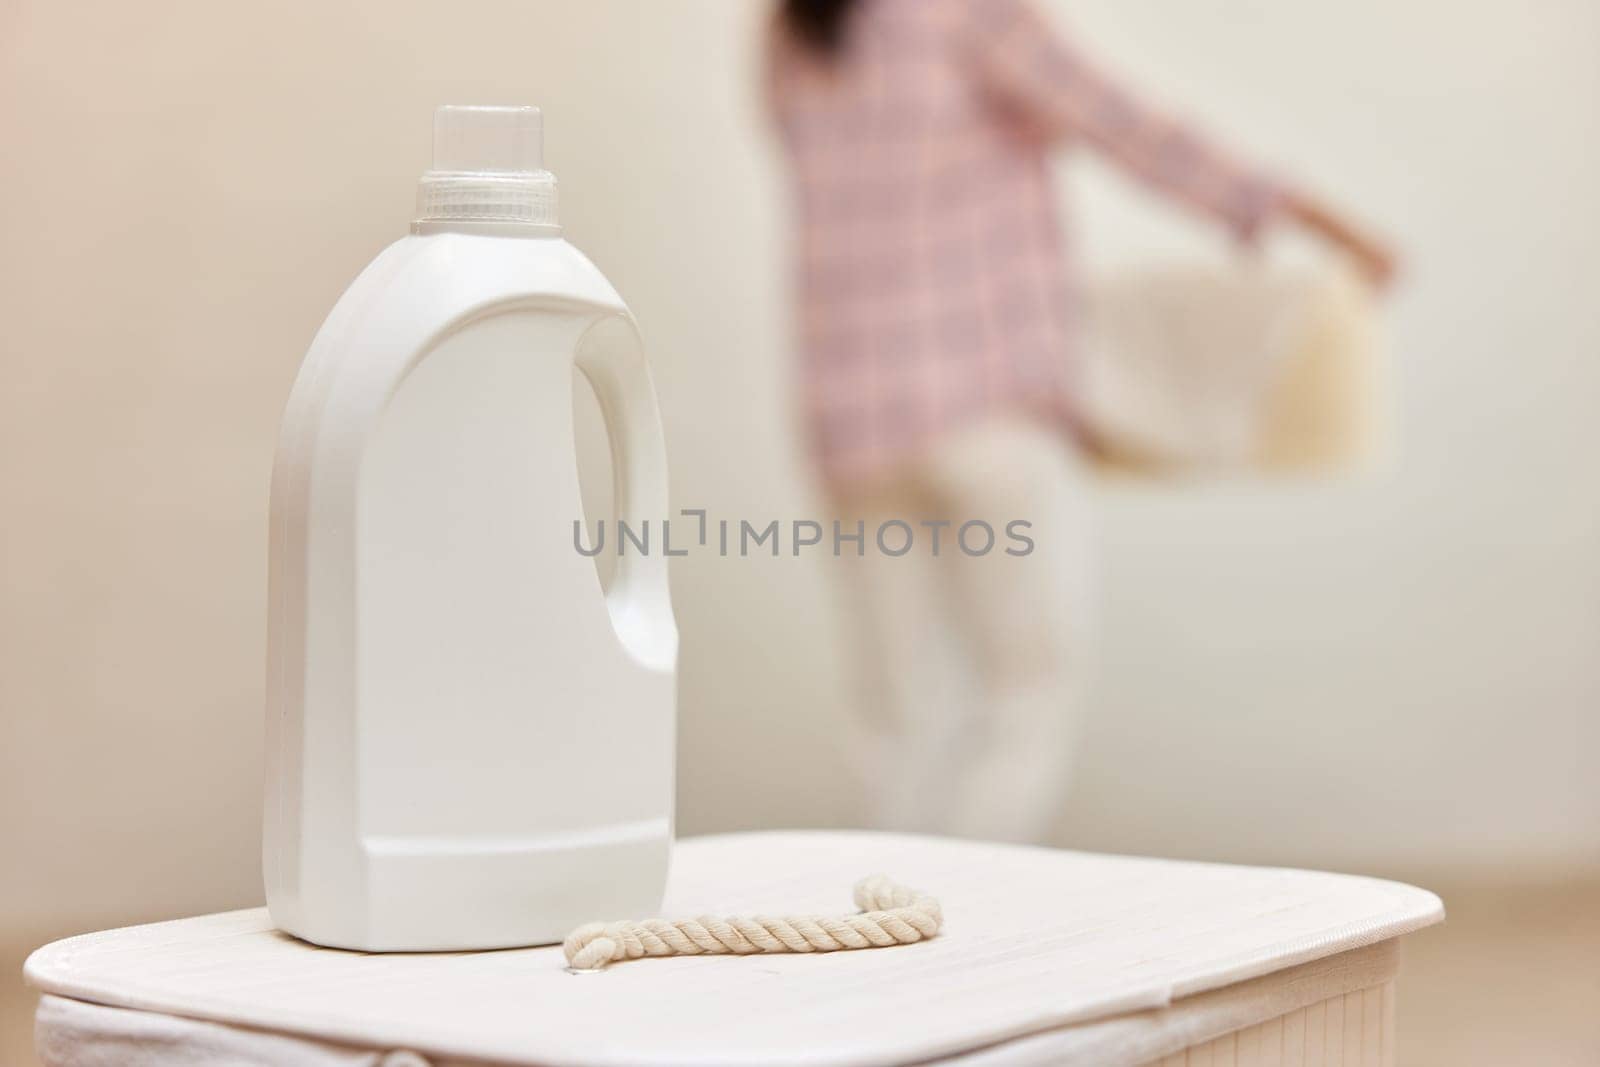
x=819, y=23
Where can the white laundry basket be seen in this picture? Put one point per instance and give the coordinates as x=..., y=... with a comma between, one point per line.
x=1046, y=957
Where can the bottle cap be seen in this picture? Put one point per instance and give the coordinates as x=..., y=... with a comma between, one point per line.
x=488, y=168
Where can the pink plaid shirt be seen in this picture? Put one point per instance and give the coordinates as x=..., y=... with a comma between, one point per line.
x=933, y=277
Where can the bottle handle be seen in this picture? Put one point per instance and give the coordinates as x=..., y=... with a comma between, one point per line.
x=611, y=356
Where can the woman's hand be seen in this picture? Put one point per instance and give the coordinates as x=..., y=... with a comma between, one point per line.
x=1372, y=256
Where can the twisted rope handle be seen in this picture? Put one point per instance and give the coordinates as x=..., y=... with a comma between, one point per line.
x=891, y=914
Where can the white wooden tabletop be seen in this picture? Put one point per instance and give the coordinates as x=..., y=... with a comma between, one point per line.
x=1034, y=940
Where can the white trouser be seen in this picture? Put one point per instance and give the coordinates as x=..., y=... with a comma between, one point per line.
x=972, y=668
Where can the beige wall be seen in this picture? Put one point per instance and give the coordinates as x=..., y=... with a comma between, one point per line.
x=185, y=188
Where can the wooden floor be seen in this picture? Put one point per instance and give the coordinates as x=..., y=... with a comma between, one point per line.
x=1512, y=978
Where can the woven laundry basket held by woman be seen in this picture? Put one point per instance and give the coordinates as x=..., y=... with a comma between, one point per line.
x=1203, y=371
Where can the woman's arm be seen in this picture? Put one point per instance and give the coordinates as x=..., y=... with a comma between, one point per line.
x=1026, y=64
x=1371, y=254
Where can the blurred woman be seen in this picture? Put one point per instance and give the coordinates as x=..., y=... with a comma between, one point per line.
x=937, y=318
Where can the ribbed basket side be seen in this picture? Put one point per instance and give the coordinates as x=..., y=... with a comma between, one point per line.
x=1352, y=1030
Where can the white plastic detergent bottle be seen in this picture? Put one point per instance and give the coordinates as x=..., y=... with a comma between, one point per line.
x=469, y=743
